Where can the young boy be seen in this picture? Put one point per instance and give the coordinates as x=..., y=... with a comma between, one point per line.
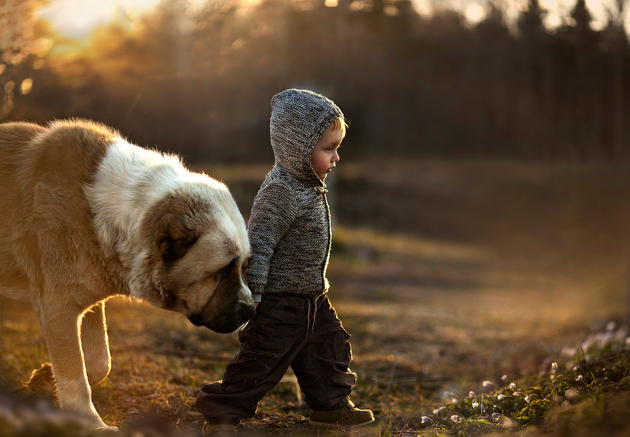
x=290, y=234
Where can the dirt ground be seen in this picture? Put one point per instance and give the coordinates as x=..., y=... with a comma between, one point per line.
x=445, y=273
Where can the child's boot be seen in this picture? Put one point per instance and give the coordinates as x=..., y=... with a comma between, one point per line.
x=210, y=429
x=347, y=416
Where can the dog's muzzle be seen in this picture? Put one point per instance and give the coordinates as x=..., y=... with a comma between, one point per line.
x=228, y=321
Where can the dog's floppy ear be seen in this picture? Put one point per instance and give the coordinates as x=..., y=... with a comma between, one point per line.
x=174, y=237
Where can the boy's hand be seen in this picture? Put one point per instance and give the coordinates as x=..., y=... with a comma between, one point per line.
x=257, y=298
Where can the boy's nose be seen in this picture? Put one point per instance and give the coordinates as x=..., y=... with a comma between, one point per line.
x=336, y=157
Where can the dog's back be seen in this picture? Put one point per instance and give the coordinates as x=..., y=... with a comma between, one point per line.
x=15, y=139
x=16, y=135
x=42, y=174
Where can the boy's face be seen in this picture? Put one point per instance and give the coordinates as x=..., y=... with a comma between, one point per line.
x=325, y=154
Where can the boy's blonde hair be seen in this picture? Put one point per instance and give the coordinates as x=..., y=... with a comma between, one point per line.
x=340, y=123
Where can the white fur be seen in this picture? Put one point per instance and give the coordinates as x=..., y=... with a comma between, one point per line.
x=128, y=182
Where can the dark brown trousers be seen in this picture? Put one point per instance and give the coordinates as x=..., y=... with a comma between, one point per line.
x=287, y=330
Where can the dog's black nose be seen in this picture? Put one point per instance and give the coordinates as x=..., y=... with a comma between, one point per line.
x=245, y=312
x=196, y=319
x=231, y=319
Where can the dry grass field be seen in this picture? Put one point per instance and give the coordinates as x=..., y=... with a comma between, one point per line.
x=447, y=274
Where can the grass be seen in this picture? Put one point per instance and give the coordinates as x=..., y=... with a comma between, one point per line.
x=445, y=279
x=587, y=394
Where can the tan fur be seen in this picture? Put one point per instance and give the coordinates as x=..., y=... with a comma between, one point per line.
x=62, y=250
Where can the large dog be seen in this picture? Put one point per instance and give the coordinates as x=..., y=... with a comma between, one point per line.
x=86, y=215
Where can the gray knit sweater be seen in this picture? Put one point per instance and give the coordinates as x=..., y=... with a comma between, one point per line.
x=289, y=226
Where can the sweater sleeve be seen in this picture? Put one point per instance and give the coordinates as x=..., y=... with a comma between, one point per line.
x=273, y=211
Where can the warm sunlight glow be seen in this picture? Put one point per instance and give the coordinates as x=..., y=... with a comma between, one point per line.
x=424, y=7
x=549, y=4
x=555, y=10
x=77, y=18
x=599, y=12
x=474, y=12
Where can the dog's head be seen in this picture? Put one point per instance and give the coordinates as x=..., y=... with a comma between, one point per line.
x=196, y=251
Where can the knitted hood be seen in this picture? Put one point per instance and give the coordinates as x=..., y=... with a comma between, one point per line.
x=298, y=120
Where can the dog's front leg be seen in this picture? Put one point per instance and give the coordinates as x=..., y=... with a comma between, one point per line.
x=60, y=327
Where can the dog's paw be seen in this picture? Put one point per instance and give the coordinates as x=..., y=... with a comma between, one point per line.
x=42, y=381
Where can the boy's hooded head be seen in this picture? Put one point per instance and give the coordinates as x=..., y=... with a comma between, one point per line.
x=298, y=120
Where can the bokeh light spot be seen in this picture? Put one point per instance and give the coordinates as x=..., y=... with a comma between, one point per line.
x=26, y=86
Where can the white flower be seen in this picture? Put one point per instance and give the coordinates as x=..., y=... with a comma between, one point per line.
x=504, y=378
x=475, y=404
x=579, y=378
x=495, y=417
x=487, y=383
x=610, y=326
x=516, y=393
x=426, y=420
x=455, y=418
x=438, y=410
x=513, y=386
x=454, y=400
x=554, y=367
x=471, y=394
x=501, y=397
x=528, y=399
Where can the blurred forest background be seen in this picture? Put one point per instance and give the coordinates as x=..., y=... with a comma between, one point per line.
x=196, y=77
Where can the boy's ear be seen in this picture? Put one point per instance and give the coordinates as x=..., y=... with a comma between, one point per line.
x=174, y=238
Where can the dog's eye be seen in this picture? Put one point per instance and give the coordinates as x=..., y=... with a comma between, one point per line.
x=227, y=269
